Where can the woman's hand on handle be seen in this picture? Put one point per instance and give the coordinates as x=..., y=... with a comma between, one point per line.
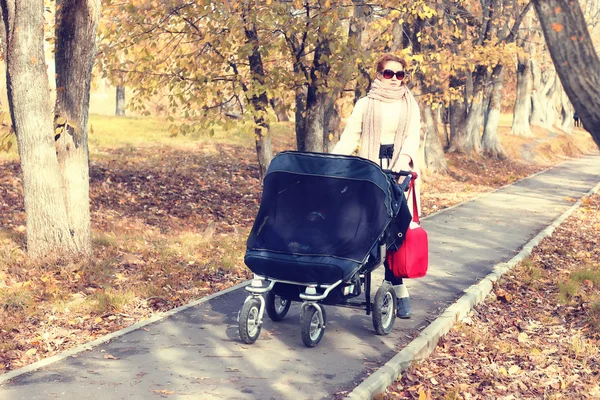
x=403, y=163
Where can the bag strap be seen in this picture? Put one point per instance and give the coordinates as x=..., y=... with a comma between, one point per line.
x=411, y=190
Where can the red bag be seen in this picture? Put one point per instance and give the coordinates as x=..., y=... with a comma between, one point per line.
x=412, y=258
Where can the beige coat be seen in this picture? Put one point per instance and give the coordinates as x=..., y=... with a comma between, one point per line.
x=350, y=139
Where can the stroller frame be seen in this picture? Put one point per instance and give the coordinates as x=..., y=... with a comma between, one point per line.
x=313, y=317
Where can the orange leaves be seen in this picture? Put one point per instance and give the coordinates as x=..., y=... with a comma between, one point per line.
x=557, y=27
x=503, y=295
x=163, y=391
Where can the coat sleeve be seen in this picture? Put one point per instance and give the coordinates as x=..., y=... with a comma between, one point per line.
x=350, y=138
x=410, y=147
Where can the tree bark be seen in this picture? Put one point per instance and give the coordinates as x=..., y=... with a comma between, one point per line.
x=333, y=123
x=48, y=230
x=316, y=100
x=469, y=139
x=259, y=101
x=550, y=105
x=522, y=109
x=315, y=128
x=280, y=111
x=490, y=141
x=2, y=36
x=575, y=59
x=435, y=160
x=76, y=26
x=543, y=90
x=120, y=101
x=300, y=116
x=356, y=28
x=566, y=114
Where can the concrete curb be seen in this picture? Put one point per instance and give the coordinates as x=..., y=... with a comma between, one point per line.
x=424, y=344
x=4, y=378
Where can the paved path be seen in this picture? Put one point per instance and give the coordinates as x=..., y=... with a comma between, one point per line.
x=195, y=353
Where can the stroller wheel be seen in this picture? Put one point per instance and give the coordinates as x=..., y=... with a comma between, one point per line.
x=384, y=314
x=277, y=307
x=249, y=321
x=311, y=328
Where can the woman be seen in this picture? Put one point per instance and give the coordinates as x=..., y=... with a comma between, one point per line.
x=386, y=125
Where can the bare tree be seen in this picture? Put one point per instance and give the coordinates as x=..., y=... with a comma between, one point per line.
x=120, y=101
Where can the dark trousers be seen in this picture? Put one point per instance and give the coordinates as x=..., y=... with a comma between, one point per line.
x=389, y=276
x=386, y=152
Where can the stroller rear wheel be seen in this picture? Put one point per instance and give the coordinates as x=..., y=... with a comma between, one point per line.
x=311, y=328
x=277, y=307
x=384, y=314
x=249, y=321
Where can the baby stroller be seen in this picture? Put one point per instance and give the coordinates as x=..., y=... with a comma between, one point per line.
x=324, y=224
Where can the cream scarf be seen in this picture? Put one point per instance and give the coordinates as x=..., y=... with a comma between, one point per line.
x=372, y=119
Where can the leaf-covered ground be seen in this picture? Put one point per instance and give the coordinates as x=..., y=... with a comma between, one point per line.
x=536, y=337
x=169, y=226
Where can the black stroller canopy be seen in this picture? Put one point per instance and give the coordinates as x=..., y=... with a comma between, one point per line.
x=319, y=209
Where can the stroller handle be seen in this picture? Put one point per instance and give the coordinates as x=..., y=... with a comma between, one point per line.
x=409, y=175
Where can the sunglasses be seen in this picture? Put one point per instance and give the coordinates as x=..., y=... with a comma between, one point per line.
x=388, y=74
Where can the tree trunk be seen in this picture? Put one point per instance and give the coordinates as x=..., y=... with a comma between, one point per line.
x=300, y=116
x=120, y=107
x=316, y=99
x=522, y=109
x=536, y=98
x=333, y=123
x=457, y=110
x=435, y=160
x=356, y=28
x=279, y=108
x=567, y=124
x=398, y=36
x=550, y=105
x=468, y=140
x=575, y=59
x=542, y=113
x=490, y=141
x=259, y=101
x=48, y=228
x=315, y=118
x=76, y=26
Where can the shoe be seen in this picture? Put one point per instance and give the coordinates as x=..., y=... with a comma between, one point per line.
x=403, y=308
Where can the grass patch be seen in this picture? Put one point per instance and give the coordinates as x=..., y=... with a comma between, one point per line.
x=582, y=347
x=132, y=132
x=108, y=301
x=594, y=315
x=567, y=291
x=530, y=272
x=16, y=300
x=580, y=283
x=592, y=275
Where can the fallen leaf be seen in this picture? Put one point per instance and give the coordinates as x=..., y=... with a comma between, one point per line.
x=31, y=352
x=522, y=337
x=163, y=391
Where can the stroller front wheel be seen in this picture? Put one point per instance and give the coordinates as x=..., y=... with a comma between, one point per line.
x=312, y=329
x=277, y=307
x=250, y=324
x=384, y=314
